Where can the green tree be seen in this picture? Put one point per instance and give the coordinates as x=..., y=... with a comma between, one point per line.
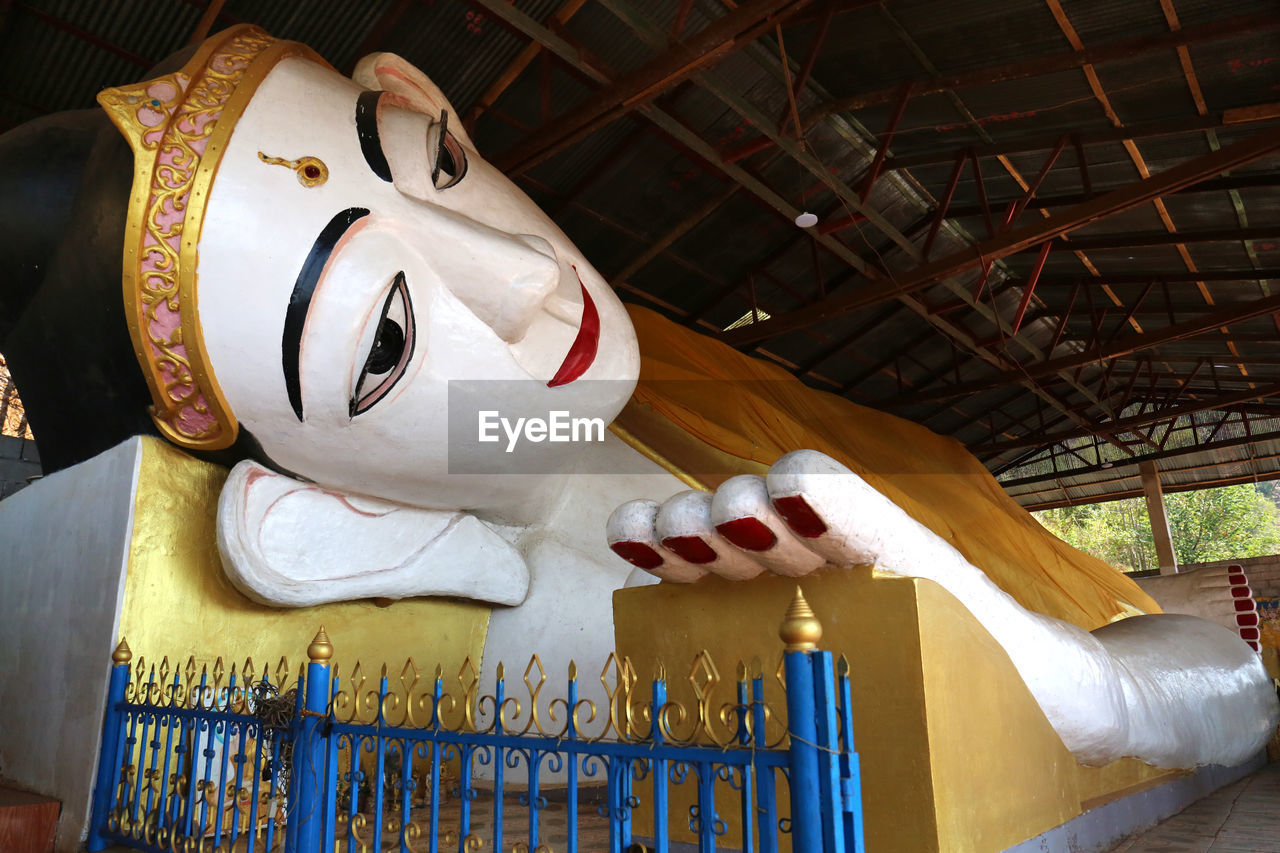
x=1222, y=524
x=1232, y=522
x=1271, y=488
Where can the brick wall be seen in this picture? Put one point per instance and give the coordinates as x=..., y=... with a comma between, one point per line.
x=18, y=462
x=1263, y=573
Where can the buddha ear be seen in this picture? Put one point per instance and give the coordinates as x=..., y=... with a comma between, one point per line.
x=286, y=543
x=391, y=73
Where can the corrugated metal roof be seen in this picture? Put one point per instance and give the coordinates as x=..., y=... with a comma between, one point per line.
x=626, y=184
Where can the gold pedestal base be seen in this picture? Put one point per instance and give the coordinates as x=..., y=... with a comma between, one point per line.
x=956, y=755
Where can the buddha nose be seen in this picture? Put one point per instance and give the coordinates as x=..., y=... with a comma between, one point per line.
x=504, y=279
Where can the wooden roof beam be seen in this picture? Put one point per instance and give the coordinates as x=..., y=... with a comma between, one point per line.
x=1231, y=182
x=1140, y=130
x=1010, y=242
x=715, y=159
x=1167, y=387
x=85, y=36
x=1137, y=493
x=1127, y=49
x=839, y=7
x=1171, y=277
x=504, y=80
x=206, y=22
x=1219, y=358
x=1122, y=425
x=704, y=50
x=1145, y=457
x=1208, y=322
x=1164, y=238
x=1145, y=314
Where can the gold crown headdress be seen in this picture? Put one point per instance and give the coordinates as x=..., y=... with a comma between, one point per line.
x=178, y=126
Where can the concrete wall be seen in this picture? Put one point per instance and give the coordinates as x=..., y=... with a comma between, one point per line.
x=19, y=461
x=63, y=546
x=1263, y=573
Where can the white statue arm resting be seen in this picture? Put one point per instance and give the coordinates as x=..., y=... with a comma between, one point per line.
x=1174, y=691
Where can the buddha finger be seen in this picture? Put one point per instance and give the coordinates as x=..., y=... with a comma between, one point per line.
x=743, y=515
x=684, y=527
x=631, y=534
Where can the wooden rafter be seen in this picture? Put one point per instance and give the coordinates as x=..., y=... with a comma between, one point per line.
x=1164, y=238
x=1198, y=447
x=1131, y=423
x=85, y=36
x=704, y=50
x=206, y=22
x=829, y=9
x=1143, y=130
x=1002, y=245
x=1163, y=277
x=1252, y=180
x=1127, y=345
x=1127, y=49
x=508, y=76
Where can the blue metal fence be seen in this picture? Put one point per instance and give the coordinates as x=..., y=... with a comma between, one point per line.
x=250, y=762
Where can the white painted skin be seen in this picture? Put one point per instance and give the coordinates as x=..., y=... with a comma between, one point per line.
x=494, y=287
x=681, y=517
x=302, y=545
x=636, y=521
x=1206, y=592
x=493, y=290
x=1171, y=690
x=747, y=496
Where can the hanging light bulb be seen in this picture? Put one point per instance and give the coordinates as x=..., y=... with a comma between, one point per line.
x=807, y=220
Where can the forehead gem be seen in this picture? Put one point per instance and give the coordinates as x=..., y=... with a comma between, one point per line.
x=311, y=171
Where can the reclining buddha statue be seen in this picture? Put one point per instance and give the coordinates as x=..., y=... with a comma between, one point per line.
x=320, y=283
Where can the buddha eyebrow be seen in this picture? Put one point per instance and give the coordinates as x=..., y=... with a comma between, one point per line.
x=295, y=318
x=367, y=131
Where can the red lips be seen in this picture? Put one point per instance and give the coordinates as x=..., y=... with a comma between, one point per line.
x=583, y=351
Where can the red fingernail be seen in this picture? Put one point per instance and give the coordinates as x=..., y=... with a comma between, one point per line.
x=1246, y=620
x=637, y=554
x=1245, y=605
x=800, y=517
x=1241, y=592
x=1249, y=633
x=1237, y=579
x=690, y=548
x=1254, y=645
x=749, y=533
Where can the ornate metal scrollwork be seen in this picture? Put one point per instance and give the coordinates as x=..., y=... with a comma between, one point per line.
x=395, y=731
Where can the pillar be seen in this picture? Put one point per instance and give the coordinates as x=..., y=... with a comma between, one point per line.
x=1159, y=520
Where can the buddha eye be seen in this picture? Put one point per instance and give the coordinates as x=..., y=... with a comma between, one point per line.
x=389, y=350
x=447, y=156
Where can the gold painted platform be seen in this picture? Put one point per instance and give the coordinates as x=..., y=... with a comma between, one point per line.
x=956, y=755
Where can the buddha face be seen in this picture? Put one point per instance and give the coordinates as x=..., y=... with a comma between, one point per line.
x=358, y=257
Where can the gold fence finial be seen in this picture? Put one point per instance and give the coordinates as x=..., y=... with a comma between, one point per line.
x=122, y=654
x=800, y=630
x=320, y=649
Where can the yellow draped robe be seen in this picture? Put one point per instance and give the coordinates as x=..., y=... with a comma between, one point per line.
x=709, y=412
